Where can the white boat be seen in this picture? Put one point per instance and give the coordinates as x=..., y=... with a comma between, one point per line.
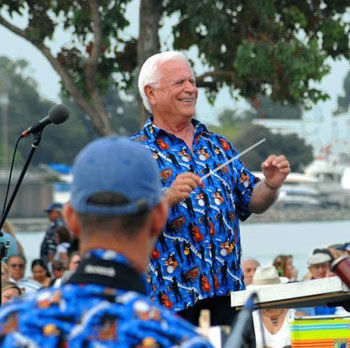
x=299, y=190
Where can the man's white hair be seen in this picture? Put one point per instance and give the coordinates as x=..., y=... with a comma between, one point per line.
x=149, y=73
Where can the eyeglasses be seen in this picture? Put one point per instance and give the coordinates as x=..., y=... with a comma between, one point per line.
x=59, y=269
x=17, y=265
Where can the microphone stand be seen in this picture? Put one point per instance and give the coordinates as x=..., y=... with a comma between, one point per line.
x=235, y=339
x=35, y=145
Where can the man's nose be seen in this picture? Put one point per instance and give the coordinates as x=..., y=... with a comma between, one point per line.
x=190, y=87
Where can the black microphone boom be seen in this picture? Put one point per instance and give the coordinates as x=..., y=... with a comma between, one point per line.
x=56, y=115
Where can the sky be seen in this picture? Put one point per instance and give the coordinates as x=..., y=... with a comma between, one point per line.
x=15, y=47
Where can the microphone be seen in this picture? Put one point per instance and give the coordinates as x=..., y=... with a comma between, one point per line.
x=56, y=115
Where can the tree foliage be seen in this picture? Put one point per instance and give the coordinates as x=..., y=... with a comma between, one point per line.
x=264, y=47
x=344, y=100
x=26, y=107
x=230, y=122
x=276, y=48
x=97, y=50
x=266, y=108
x=59, y=143
x=294, y=148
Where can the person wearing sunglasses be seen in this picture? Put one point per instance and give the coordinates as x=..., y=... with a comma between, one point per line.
x=16, y=266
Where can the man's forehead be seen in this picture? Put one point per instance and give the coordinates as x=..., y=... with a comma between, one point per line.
x=250, y=263
x=15, y=259
x=323, y=264
x=173, y=68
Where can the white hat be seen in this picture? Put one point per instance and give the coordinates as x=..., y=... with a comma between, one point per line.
x=266, y=276
x=318, y=258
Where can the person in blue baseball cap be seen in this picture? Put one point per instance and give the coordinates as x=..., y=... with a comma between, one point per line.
x=118, y=211
x=48, y=245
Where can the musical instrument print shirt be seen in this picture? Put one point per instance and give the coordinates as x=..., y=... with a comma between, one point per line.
x=104, y=304
x=198, y=255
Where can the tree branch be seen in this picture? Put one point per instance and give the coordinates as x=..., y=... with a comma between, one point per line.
x=148, y=41
x=96, y=48
x=98, y=118
x=13, y=28
x=69, y=84
x=91, y=70
x=210, y=79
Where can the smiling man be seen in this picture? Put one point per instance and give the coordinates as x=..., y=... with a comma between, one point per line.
x=196, y=261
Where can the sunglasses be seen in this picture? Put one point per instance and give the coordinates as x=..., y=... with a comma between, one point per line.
x=17, y=265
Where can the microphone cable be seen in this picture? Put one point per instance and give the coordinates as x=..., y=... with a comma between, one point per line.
x=10, y=175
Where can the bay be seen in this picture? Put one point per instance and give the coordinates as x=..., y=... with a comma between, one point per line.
x=263, y=241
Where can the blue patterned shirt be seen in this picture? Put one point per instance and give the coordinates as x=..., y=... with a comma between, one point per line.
x=93, y=315
x=198, y=255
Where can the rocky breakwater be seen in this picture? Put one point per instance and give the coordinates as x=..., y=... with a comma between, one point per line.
x=30, y=224
x=274, y=214
x=299, y=214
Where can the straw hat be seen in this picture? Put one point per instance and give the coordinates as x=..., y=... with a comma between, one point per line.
x=265, y=276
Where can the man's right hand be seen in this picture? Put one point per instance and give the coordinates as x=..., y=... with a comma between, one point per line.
x=182, y=187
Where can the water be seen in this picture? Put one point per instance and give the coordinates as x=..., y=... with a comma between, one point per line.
x=261, y=241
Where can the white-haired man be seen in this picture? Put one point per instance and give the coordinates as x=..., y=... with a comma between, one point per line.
x=196, y=261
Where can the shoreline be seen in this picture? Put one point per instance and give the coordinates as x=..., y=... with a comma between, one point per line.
x=278, y=215
x=273, y=215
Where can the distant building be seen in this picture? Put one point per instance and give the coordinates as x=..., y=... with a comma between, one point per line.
x=34, y=194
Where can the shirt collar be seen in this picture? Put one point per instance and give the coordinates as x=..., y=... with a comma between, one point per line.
x=152, y=131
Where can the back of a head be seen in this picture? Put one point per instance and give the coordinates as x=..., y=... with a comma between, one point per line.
x=114, y=177
x=149, y=71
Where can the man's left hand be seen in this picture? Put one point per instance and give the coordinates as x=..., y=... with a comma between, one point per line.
x=275, y=169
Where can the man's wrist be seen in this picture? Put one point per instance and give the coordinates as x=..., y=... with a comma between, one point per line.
x=271, y=187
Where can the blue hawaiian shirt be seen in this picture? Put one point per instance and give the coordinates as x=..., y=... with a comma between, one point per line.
x=198, y=255
x=91, y=315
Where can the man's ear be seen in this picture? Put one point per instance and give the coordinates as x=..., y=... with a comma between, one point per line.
x=149, y=91
x=159, y=218
x=72, y=219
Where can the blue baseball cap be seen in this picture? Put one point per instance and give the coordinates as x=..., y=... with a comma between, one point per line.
x=53, y=206
x=116, y=165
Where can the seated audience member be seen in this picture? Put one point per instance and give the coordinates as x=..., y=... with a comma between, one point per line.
x=285, y=267
x=4, y=272
x=28, y=286
x=319, y=267
x=58, y=269
x=16, y=264
x=275, y=322
x=249, y=266
x=62, y=239
x=9, y=290
x=118, y=210
x=40, y=272
x=73, y=264
x=338, y=250
x=73, y=261
x=48, y=244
